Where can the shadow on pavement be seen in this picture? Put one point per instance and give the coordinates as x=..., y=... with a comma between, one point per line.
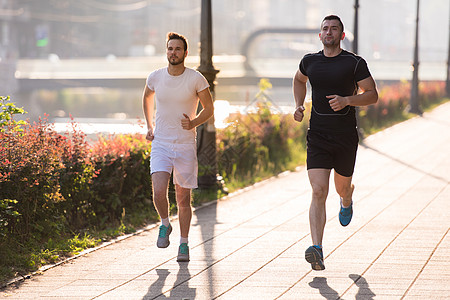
x=325, y=290
x=155, y=289
x=207, y=220
x=180, y=289
x=364, y=292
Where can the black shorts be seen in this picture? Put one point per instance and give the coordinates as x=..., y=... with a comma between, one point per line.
x=332, y=151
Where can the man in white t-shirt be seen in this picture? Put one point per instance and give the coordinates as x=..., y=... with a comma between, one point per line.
x=176, y=90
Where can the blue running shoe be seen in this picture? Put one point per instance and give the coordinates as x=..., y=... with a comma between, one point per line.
x=163, y=237
x=345, y=215
x=314, y=256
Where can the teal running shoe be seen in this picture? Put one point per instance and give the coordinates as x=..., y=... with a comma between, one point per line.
x=163, y=237
x=183, y=253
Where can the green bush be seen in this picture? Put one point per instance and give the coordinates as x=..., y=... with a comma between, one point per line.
x=8, y=210
x=258, y=145
x=9, y=109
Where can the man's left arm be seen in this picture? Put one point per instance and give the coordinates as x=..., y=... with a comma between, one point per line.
x=208, y=110
x=368, y=96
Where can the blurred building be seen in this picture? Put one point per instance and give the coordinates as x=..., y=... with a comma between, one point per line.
x=96, y=28
x=73, y=28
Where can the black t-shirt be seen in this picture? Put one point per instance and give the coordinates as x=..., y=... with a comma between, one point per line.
x=336, y=75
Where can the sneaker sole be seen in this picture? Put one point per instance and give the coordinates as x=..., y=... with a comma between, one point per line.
x=182, y=259
x=313, y=257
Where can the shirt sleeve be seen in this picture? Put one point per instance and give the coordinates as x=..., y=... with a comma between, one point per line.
x=361, y=70
x=302, y=68
x=201, y=83
x=151, y=81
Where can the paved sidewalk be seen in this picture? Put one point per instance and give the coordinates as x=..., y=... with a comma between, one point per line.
x=251, y=245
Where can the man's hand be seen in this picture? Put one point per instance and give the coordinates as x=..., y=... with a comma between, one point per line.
x=298, y=114
x=150, y=135
x=337, y=102
x=186, y=122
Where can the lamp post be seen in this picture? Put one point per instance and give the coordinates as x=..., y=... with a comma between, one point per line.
x=414, y=101
x=355, y=29
x=355, y=50
x=447, y=84
x=206, y=135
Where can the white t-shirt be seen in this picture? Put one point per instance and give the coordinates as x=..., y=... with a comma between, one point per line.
x=175, y=96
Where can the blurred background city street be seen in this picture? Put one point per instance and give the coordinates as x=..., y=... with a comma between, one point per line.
x=89, y=58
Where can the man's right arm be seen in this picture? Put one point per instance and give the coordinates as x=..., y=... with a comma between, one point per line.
x=148, y=107
x=299, y=89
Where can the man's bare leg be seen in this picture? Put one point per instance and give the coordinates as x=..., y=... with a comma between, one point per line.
x=183, y=196
x=160, y=183
x=344, y=188
x=184, y=216
x=319, y=179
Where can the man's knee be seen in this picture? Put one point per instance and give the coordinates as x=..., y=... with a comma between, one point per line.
x=160, y=183
x=159, y=195
x=319, y=179
x=319, y=192
x=184, y=203
x=183, y=197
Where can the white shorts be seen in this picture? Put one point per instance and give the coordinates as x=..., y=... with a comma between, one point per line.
x=179, y=158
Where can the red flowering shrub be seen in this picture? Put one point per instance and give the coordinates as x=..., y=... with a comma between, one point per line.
x=76, y=179
x=393, y=101
x=430, y=92
x=123, y=177
x=51, y=183
x=30, y=166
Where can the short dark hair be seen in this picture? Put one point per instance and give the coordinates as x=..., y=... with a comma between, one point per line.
x=333, y=17
x=177, y=36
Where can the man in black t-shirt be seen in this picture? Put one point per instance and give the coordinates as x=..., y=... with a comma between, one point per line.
x=335, y=76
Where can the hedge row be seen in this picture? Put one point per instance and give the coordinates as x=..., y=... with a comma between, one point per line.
x=52, y=183
x=394, y=101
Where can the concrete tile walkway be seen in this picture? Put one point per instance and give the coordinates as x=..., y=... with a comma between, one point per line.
x=251, y=245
